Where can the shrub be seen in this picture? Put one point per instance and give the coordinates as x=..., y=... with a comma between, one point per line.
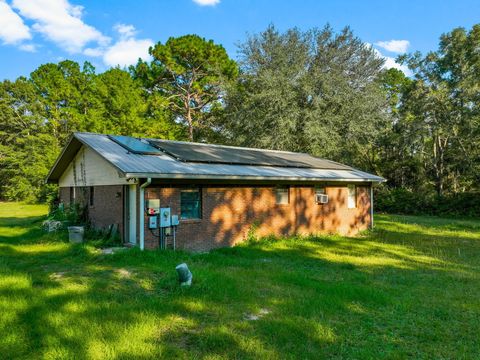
x=74, y=214
x=405, y=201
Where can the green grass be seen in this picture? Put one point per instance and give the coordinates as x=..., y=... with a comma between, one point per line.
x=409, y=289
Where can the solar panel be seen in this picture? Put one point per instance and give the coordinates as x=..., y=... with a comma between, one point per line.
x=134, y=145
x=205, y=153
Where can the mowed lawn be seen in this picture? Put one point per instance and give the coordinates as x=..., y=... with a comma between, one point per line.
x=409, y=289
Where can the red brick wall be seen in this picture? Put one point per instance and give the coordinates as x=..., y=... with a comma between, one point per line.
x=107, y=206
x=228, y=213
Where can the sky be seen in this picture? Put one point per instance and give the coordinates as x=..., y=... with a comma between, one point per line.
x=117, y=32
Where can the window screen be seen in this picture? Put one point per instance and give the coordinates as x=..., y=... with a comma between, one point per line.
x=352, y=196
x=282, y=195
x=190, y=204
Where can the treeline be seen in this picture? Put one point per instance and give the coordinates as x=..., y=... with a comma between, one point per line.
x=316, y=91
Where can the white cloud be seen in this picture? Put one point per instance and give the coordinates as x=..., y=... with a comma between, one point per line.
x=60, y=22
x=125, y=31
x=94, y=52
x=12, y=28
x=391, y=63
x=28, y=47
x=206, y=2
x=127, y=51
x=395, y=46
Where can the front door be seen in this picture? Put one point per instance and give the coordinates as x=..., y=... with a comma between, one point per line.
x=132, y=214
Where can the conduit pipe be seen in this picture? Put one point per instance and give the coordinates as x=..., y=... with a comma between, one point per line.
x=142, y=212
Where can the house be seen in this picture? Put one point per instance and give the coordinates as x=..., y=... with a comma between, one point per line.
x=199, y=196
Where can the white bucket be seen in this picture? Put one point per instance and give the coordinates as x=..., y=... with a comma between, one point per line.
x=75, y=234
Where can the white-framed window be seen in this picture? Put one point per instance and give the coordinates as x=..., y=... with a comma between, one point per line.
x=352, y=196
x=282, y=195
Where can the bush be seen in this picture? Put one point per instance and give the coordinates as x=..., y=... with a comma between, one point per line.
x=71, y=215
x=409, y=202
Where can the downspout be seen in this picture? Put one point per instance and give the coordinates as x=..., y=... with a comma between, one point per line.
x=371, y=205
x=142, y=212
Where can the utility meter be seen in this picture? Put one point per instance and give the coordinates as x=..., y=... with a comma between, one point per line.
x=165, y=217
x=152, y=222
x=175, y=221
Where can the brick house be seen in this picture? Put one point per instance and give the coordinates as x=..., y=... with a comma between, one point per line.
x=213, y=195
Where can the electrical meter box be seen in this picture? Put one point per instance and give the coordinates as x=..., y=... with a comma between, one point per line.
x=165, y=217
x=175, y=221
x=153, y=207
x=153, y=222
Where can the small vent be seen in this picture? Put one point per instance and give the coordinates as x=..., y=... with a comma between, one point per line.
x=321, y=198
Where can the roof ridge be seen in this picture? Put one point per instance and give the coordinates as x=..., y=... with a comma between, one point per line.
x=225, y=146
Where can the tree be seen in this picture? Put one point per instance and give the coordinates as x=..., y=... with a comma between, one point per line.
x=401, y=146
x=443, y=102
x=189, y=72
x=38, y=115
x=27, y=150
x=315, y=91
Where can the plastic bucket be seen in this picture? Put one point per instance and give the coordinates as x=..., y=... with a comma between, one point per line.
x=75, y=234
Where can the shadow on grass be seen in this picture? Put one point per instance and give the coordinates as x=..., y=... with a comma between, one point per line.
x=370, y=297
x=27, y=230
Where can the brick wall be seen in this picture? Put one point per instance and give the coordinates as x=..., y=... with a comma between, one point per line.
x=228, y=213
x=107, y=208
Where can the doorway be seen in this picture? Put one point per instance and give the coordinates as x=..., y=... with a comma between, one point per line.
x=131, y=214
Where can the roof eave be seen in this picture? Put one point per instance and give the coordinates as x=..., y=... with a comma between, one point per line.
x=249, y=178
x=66, y=148
x=71, y=149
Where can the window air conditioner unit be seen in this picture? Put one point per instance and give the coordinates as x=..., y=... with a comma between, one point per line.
x=321, y=198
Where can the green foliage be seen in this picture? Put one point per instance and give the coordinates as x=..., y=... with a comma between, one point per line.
x=101, y=238
x=75, y=214
x=438, y=115
x=315, y=91
x=37, y=116
x=404, y=201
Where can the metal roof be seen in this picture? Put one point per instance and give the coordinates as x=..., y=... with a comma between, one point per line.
x=165, y=166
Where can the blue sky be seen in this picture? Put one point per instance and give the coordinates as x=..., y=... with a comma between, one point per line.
x=110, y=32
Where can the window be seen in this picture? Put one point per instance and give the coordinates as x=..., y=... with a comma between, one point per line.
x=190, y=204
x=320, y=190
x=352, y=196
x=282, y=195
x=92, y=189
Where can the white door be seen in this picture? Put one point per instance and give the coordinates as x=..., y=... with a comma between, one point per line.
x=132, y=214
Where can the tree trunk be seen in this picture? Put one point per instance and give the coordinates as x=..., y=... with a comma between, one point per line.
x=188, y=116
x=190, y=124
x=439, y=163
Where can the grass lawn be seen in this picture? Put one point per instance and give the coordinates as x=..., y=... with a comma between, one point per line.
x=409, y=289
